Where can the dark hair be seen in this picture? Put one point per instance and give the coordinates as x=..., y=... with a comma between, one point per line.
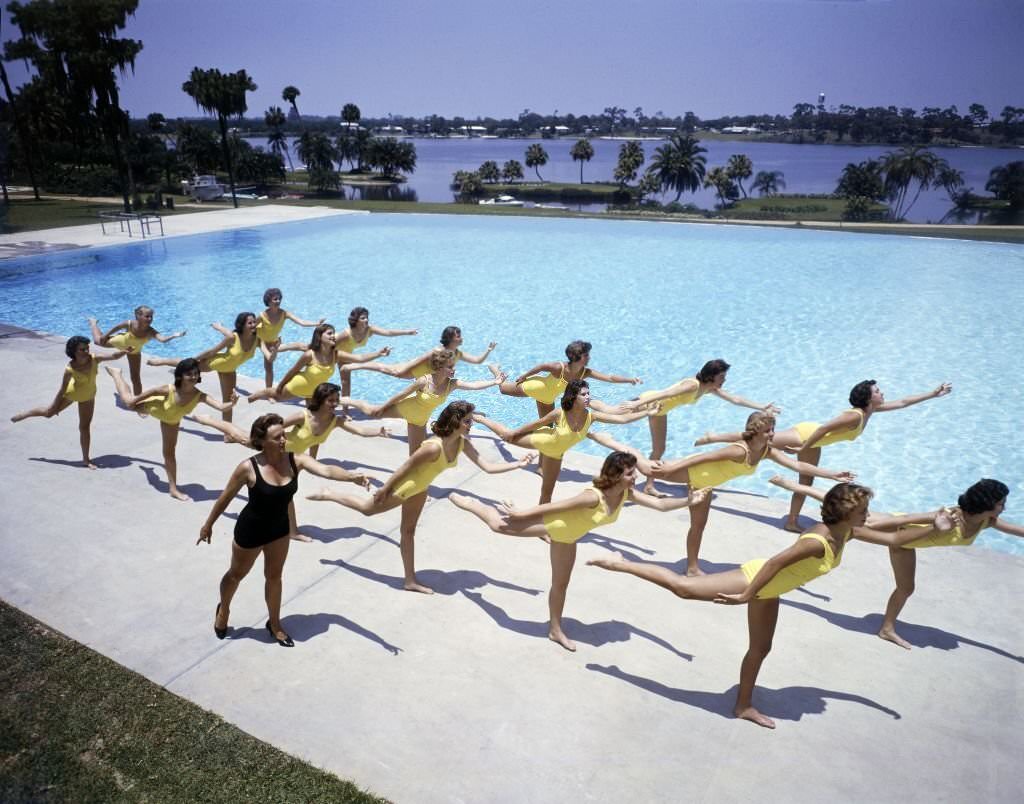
x=320, y=395
x=572, y=390
x=712, y=369
x=840, y=501
x=860, y=394
x=451, y=417
x=613, y=468
x=575, y=350
x=142, y=308
x=186, y=366
x=983, y=496
x=73, y=343
x=269, y=293
x=240, y=320
x=448, y=334
x=356, y=314
x=318, y=334
x=258, y=431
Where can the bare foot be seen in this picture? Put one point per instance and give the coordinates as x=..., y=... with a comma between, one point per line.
x=89, y=464
x=414, y=586
x=495, y=369
x=113, y=372
x=780, y=481
x=178, y=495
x=751, y=714
x=704, y=439
x=562, y=639
x=890, y=635
x=461, y=501
x=299, y=536
x=322, y=495
x=694, y=572
x=651, y=490
x=791, y=526
x=609, y=563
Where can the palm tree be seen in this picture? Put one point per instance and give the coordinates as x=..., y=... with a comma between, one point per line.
x=536, y=157
x=222, y=94
x=739, y=167
x=631, y=158
x=288, y=95
x=679, y=164
x=951, y=180
x=277, y=141
x=724, y=186
x=512, y=170
x=350, y=114
x=910, y=164
x=582, y=152
x=317, y=151
x=1006, y=182
x=489, y=172
x=348, y=149
x=769, y=182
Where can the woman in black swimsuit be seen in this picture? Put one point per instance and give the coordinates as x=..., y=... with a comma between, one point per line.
x=272, y=478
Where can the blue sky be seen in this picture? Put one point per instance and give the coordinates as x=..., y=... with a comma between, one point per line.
x=482, y=57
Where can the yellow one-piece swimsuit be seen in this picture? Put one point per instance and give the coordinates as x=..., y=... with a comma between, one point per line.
x=795, y=575
x=421, y=477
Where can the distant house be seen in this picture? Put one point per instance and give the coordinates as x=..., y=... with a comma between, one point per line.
x=392, y=131
x=740, y=130
x=473, y=131
x=349, y=127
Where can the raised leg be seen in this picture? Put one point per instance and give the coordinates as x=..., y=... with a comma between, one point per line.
x=508, y=388
x=411, y=510
x=563, y=558
x=904, y=569
x=121, y=388
x=811, y=455
x=169, y=436
x=762, y=615
x=698, y=521
x=232, y=432
x=489, y=516
x=704, y=587
x=85, y=411
x=97, y=334
x=47, y=412
x=274, y=555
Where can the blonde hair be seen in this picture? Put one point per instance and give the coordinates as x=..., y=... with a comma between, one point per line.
x=441, y=358
x=757, y=423
x=841, y=500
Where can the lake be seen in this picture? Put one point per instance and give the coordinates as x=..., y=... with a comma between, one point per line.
x=807, y=168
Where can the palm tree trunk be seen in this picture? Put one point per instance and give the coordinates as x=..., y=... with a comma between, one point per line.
x=222, y=120
x=581, y=171
x=19, y=126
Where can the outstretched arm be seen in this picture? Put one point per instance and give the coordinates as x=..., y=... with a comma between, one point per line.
x=906, y=402
x=491, y=467
x=653, y=397
x=216, y=404
x=314, y=467
x=426, y=452
x=304, y=360
x=112, y=356
x=238, y=479
x=618, y=418
x=411, y=388
x=618, y=378
x=222, y=329
x=803, y=468
x=1008, y=527
x=844, y=421
x=167, y=338
x=550, y=368
x=479, y=385
x=117, y=328
x=605, y=440
x=742, y=402
x=942, y=522
x=390, y=333
x=301, y=321
x=372, y=432
x=798, y=551
x=224, y=344
x=477, y=359
x=585, y=499
x=669, y=503
x=353, y=357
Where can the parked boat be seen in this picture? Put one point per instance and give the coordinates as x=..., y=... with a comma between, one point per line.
x=502, y=201
x=202, y=188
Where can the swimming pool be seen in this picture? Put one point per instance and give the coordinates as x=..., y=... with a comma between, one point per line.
x=801, y=316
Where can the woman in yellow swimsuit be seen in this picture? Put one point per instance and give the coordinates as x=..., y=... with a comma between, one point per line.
x=760, y=582
x=314, y=367
x=408, y=486
x=546, y=389
x=268, y=330
x=237, y=347
x=169, y=404
x=77, y=385
x=557, y=432
x=417, y=401
x=807, y=438
x=689, y=391
x=564, y=522
x=977, y=508
x=131, y=336
x=710, y=469
x=355, y=337
x=451, y=338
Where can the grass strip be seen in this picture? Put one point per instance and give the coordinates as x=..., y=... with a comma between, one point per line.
x=76, y=726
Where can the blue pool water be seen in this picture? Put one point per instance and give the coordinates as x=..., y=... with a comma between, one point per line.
x=802, y=316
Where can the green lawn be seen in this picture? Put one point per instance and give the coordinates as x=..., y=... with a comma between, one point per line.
x=75, y=726
x=790, y=208
x=25, y=214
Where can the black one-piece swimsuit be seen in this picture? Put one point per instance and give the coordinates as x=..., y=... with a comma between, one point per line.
x=265, y=517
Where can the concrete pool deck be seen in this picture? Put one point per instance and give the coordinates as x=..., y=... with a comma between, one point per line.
x=65, y=238
x=460, y=696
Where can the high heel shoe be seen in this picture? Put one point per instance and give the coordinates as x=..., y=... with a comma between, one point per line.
x=220, y=632
x=284, y=643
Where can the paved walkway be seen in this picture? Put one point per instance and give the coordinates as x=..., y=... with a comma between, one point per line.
x=460, y=697
x=91, y=235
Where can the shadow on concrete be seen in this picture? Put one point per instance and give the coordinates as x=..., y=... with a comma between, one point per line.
x=328, y=535
x=197, y=492
x=787, y=703
x=920, y=636
x=443, y=583
x=596, y=634
x=304, y=627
